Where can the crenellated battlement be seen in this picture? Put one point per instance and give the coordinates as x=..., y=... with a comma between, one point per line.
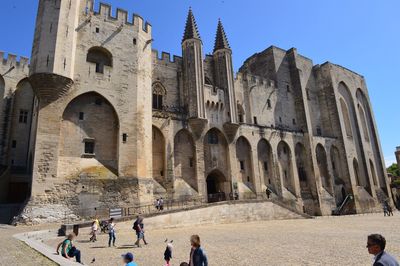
x=166, y=58
x=254, y=80
x=13, y=60
x=105, y=11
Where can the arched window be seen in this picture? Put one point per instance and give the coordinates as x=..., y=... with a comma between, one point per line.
x=99, y=56
x=363, y=123
x=213, y=137
x=346, y=117
x=158, y=93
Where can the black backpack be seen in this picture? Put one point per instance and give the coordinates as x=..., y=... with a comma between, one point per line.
x=135, y=226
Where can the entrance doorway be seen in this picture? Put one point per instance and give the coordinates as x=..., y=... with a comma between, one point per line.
x=216, y=187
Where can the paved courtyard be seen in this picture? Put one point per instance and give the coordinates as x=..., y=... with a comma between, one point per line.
x=14, y=252
x=321, y=241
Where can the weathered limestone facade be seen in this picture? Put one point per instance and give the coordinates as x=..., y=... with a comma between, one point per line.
x=110, y=122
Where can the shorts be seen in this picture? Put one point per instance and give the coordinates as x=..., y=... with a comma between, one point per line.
x=140, y=235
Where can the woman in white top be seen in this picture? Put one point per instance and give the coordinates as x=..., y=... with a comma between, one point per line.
x=111, y=232
x=94, y=232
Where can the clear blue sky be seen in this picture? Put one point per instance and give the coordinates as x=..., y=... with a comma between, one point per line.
x=363, y=35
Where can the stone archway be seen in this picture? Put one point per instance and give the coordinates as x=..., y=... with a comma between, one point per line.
x=323, y=168
x=341, y=179
x=285, y=163
x=89, y=137
x=158, y=150
x=266, y=165
x=308, y=190
x=185, y=162
x=355, y=139
x=245, y=164
x=21, y=125
x=216, y=162
x=370, y=129
x=218, y=187
x=216, y=152
x=307, y=181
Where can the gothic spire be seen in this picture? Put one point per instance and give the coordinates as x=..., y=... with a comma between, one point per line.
x=221, y=42
x=191, y=31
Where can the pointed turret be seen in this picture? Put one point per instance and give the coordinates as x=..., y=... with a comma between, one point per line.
x=193, y=69
x=224, y=77
x=191, y=31
x=221, y=41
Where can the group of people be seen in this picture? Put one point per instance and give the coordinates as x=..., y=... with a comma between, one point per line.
x=197, y=255
x=159, y=204
x=69, y=250
x=387, y=209
x=376, y=245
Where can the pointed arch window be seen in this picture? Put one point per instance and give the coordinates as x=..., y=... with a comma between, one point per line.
x=101, y=57
x=159, y=93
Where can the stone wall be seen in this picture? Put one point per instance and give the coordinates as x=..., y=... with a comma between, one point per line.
x=227, y=213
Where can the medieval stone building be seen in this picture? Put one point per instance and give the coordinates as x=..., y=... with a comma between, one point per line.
x=99, y=119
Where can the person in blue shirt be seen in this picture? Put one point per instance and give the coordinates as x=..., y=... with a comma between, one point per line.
x=376, y=246
x=128, y=259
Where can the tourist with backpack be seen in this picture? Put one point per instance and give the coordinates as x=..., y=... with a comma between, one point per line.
x=68, y=249
x=138, y=226
x=197, y=255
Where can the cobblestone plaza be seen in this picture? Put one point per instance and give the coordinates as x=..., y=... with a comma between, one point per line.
x=321, y=241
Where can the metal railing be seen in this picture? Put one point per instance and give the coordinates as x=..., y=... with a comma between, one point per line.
x=170, y=205
x=341, y=209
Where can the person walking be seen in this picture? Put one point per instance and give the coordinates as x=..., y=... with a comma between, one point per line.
x=96, y=219
x=161, y=204
x=389, y=208
x=197, y=255
x=157, y=204
x=268, y=192
x=128, y=259
x=68, y=249
x=138, y=226
x=168, y=254
x=94, y=228
x=111, y=232
x=376, y=246
x=385, y=210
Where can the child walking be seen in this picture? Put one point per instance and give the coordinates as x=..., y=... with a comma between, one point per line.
x=94, y=232
x=111, y=232
x=168, y=254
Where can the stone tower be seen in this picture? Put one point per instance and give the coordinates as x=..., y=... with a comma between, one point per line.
x=77, y=54
x=51, y=75
x=224, y=70
x=193, y=70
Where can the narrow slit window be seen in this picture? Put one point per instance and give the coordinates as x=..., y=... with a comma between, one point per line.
x=241, y=165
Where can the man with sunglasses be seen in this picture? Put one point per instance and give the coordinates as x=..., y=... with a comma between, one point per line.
x=376, y=246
